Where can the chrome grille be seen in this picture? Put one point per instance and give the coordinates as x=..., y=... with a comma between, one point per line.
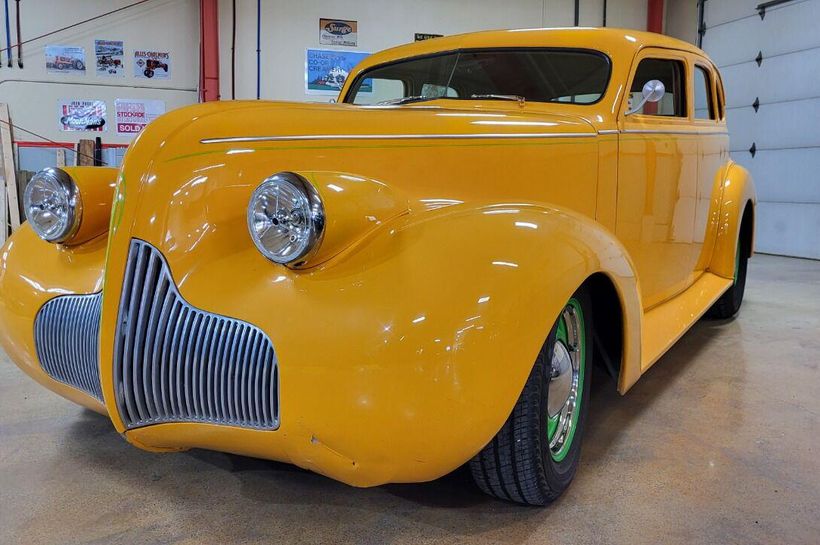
x=66, y=337
x=176, y=363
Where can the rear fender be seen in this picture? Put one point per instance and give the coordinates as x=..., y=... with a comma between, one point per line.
x=738, y=193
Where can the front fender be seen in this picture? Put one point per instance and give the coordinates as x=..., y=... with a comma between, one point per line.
x=738, y=193
x=404, y=354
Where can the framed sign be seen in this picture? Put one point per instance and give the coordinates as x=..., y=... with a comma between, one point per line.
x=338, y=32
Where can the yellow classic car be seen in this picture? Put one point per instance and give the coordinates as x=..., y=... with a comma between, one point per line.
x=420, y=276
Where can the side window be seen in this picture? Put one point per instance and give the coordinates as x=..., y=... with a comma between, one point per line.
x=704, y=109
x=380, y=89
x=671, y=73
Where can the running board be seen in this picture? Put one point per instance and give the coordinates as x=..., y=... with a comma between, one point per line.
x=666, y=323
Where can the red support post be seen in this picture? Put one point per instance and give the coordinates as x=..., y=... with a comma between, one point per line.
x=209, y=50
x=654, y=16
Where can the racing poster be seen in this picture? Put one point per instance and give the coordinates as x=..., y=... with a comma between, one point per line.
x=134, y=114
x=152, y=64
x=326, y=71
x=65, y=59
x=81, y=115
x=110, y=58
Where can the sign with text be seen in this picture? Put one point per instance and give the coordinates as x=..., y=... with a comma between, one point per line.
x=421, y=36
x=81, y=115
x=338, y=32
x=326, y=71
x=134, y=114
x=110, y=58
x=65, y=59
x=152, y=64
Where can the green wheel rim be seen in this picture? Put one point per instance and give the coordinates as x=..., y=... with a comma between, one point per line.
x=566, y=386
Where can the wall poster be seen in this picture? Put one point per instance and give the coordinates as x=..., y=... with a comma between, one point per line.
x=338, y=32
x=65, y=59
x=134, y=114
x=326, y=71
x=81, y=115
x=152, y=64
x=110, y=58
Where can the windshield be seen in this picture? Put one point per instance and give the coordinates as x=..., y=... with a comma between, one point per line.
x=538, y=75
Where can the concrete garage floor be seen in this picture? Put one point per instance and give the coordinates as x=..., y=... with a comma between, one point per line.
x=719, y=443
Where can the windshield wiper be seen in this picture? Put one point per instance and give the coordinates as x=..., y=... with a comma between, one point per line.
x=516, y=98
x=405, y=100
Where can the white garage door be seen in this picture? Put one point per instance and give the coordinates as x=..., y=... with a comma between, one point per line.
x=771, y=71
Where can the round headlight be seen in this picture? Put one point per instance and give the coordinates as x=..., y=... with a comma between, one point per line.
x=286, y=218
x=53, y=205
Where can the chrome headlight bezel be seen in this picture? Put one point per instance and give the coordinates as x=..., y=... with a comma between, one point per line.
x=310, y=205
x=69, y=195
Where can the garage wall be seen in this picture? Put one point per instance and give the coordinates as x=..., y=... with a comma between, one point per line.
x=785, y=129
x=289, y=28
x=33, y=94
x=681, y=20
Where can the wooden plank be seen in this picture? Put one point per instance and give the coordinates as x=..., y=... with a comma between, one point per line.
x=85, y=153
x=8, y=172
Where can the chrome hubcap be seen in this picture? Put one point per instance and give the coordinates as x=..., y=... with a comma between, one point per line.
x=565, y=372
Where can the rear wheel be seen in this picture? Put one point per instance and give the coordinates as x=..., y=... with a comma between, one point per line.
x=729, y=303
x=534, y=456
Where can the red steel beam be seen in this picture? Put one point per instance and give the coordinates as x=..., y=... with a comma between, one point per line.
x=654, y=16
x=209, y=50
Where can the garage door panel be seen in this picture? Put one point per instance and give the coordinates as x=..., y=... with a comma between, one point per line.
x=778, y=79
x=785, y=131
x=741, y=40
x=784, y=175
x=729, y=44
x=721, y=11
x=741, y=83
x=782, y=125
x=788, y=229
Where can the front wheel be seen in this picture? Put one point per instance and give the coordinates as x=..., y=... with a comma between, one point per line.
x=534, y=456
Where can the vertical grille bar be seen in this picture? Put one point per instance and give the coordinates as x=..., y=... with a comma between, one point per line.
x=176, y=363
x=66, y=337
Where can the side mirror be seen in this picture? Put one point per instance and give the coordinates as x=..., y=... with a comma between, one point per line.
x=653, y=91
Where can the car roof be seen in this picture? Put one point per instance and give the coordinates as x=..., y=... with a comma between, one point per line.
x=615, y=42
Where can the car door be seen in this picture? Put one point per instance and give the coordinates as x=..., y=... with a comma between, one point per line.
x=708, y=117
x=658, y=177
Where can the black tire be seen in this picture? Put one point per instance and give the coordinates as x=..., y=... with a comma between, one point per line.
x=729, y=303
x=148, y=73
x=79, y=65
x=518, y=465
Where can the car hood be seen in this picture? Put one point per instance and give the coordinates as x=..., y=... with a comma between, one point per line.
x=247, y=122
